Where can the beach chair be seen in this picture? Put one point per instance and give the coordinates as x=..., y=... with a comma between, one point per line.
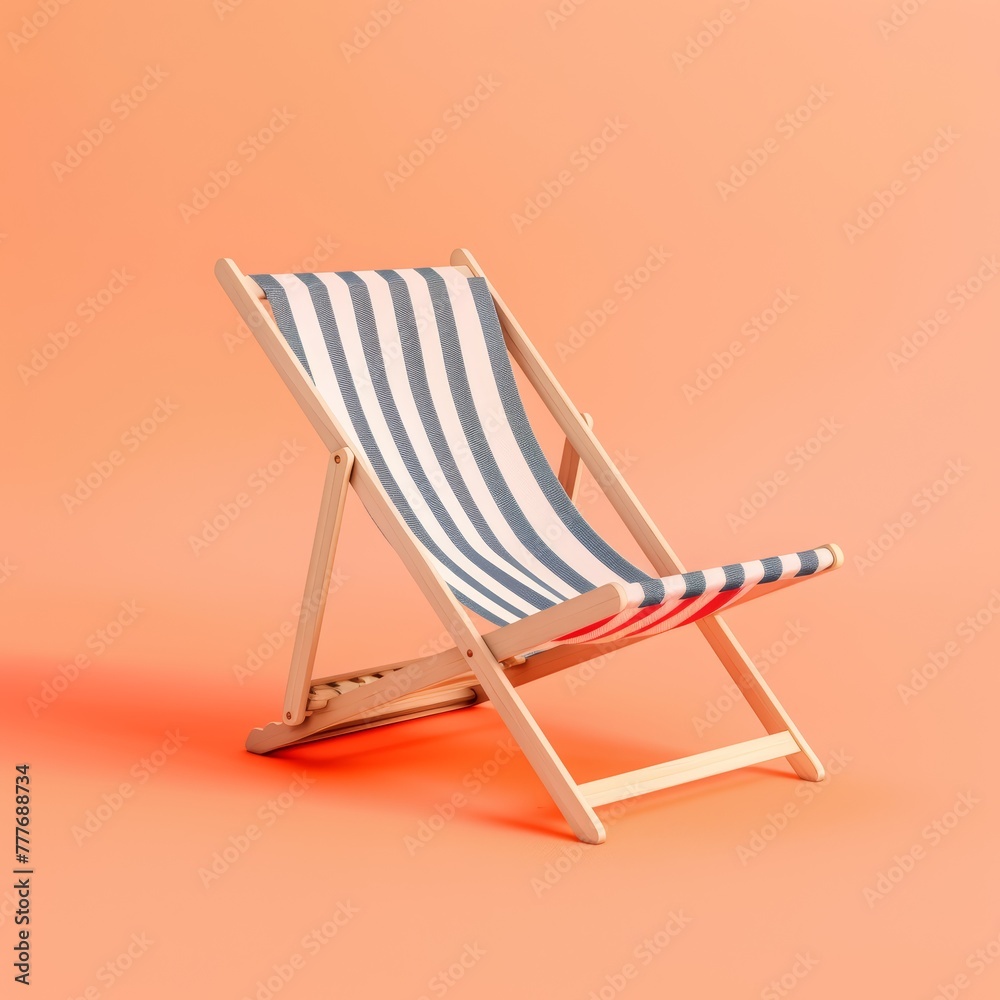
x=406, y=377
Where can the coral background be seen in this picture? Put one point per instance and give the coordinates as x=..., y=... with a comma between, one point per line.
x=836, y=161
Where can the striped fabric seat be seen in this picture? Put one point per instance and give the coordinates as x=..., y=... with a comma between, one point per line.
x=413, y=365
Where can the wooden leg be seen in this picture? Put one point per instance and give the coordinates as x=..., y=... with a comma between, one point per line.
x=539, y=753
x=331, y=513
x=760, y=697
x=570, y=467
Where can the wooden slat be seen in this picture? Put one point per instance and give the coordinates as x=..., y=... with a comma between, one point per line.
x=684, y=769
x=372, y=720
x=379, y=695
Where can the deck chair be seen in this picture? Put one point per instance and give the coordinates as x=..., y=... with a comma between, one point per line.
x=406, y=376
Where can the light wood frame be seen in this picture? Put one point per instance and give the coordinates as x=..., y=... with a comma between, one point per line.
x=488, y=665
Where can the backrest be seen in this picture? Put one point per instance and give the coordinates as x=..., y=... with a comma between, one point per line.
x=413, y=365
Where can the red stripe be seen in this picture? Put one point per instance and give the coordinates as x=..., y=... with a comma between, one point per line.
x=645, y=613
x=583, y=631
x=686, y=603
x=719, y=601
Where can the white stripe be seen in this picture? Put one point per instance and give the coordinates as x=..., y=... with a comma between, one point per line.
x=399, y=387
x=451, y=425
x=343, y=309
x=515, y=469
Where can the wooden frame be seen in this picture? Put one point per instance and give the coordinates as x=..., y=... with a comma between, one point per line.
x=489, y=665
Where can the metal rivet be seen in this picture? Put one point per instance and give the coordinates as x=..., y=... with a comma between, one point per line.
x=288, y=715
x=468, y=652
x=336, y=459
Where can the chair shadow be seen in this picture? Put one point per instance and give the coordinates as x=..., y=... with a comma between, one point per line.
x=414, y=760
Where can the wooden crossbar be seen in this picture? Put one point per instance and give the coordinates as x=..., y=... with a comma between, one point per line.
x=684, y=769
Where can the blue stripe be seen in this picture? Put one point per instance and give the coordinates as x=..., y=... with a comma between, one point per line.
x=365, y=316
x=451, y=350
x=275, y=293
x=653, y=592
x=694, y=584
x=331, y=336
x=810, y=562
x=735, y=576
x=416, y=373
x=547, y=480
x=772, y=570
x=473, y=606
